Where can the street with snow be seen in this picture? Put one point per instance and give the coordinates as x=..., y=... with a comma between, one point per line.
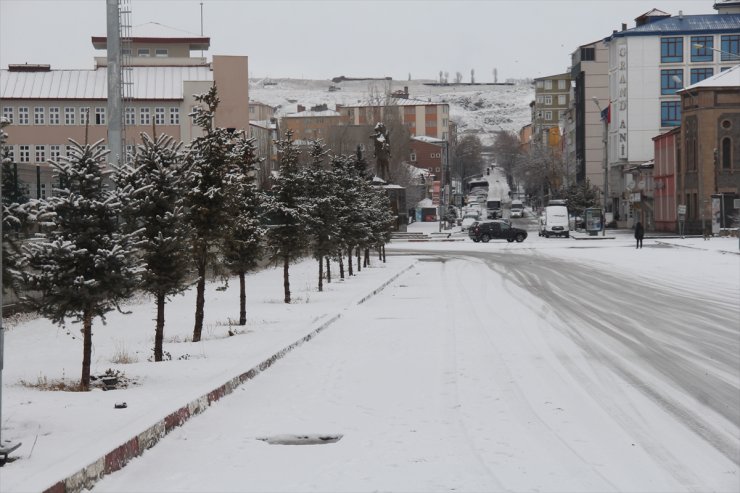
x=550, y=365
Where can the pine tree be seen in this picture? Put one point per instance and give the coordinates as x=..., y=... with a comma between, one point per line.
x=322, y=203
x=84, y=266
x=287, y=239
x=154, y=180
x=13, y=218
x=205, y=197
x=243, y=244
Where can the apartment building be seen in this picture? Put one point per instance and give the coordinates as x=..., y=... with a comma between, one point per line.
x=590, y=77
x=552, y=98
x=648, y=65
x=312, y=124
x=422, y=118
x=46, y=106
x=430, y=154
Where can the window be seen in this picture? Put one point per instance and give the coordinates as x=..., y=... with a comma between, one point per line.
x=40, y=154
x=174, y=116
x=159, y=116
x=724, y=68
x=129, y=150
x=143, y=52
x=160, y=52
x=588, y=54
x=539, y=84
x=24, y=154
x=731, y=47
x=69, y=116
x=43, y=190
x=445, y=122
x=144, y=116
x=99, y=116
x=84, y=116
x=430, y=110
x=130, y=116
x=126, y=51
x=699, y=74
x=8, y=113
x=726, y=153
x=39, y=115
x=55, y=152
x=548, y=84
x=539, y=99
x=68, y=150
x=23, y=115
x=548, y=100
x=54, y=116
x=701, y=48
x=561, y=84
x=671, y=50
x=671, y=81
x=11, y=153
x=561, y=100
x=670, y=113
x=548, y=115
x=413, y=157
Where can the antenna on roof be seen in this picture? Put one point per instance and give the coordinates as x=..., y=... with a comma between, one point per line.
x=201, y=25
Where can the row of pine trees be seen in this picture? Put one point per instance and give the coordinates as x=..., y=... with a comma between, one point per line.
x=175, y=213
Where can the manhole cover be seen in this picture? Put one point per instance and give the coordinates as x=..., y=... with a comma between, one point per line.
x=317, y=439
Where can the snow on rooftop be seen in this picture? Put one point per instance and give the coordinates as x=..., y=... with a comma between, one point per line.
x=147, y=83
x=313, y=114
x=728, y=78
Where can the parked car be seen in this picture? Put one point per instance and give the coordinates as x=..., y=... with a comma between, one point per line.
x=495, y=230
x=468, y=220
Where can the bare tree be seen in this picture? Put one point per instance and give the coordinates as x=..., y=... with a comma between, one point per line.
x=506, y=151
x=458, y=77
x=472, y=76
x=447, y=77
x=495, y=76
x=468, y=159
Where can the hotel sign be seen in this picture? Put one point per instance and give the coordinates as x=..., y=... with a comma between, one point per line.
x=622, y=101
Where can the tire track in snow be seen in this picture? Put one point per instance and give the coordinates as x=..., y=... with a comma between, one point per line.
x=676, y=336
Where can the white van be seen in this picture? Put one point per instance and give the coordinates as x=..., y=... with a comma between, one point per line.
x=555, y=221
x=517, y=208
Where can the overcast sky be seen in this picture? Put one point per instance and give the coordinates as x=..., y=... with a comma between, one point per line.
x=322, y=39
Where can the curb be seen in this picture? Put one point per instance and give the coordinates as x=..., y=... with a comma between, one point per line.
x=117, y=458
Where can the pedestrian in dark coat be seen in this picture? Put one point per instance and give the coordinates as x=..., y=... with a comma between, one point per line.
x=639, y=234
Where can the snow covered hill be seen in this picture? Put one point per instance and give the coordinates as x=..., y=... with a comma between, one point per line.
x=482, y=109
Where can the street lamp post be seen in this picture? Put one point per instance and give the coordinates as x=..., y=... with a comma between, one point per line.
x=606, y=162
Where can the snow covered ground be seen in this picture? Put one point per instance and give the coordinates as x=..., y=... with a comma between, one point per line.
x=481, y=109
x=384, y=376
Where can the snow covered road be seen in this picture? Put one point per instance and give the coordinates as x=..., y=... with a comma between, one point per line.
x=487, y=370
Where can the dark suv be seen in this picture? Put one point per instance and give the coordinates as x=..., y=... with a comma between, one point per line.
x=495, y=230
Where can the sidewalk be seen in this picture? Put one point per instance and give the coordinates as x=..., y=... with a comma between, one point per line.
x=71, y=439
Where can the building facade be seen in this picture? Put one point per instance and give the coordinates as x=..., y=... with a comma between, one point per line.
x=46, y=107
x=709, y=176
x=422, y=118
x=552, y=99
x=648, y=65
x=667, y=152
x=590, y=77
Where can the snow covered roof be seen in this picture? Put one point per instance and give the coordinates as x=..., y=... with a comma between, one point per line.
x=429, y=140
x=147, y=83
x=313, y=114
x=694, y=24
x=728, y=78
x=266, y=124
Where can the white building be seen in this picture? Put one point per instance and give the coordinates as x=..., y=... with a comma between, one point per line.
x=647, y=65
